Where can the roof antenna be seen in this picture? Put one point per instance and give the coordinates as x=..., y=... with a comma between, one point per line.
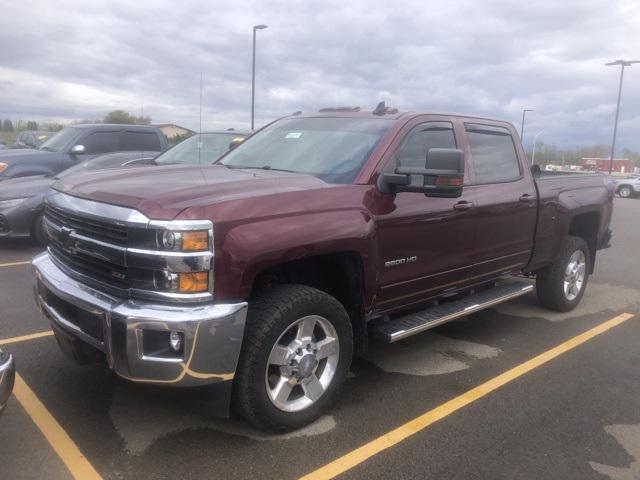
x=380, y=109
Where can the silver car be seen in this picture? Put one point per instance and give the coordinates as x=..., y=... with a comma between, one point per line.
x=7, y=376
x=628, y=187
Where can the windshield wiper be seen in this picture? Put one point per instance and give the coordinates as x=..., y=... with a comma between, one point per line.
x=264, y=167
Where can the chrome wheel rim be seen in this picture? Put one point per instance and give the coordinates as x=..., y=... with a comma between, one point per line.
x=625, y=192
x=574, y=275
x=302, y=363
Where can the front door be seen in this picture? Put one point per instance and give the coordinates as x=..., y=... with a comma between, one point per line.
x=425, y=243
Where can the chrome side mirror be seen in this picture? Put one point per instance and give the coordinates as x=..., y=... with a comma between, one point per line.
x=77, y=150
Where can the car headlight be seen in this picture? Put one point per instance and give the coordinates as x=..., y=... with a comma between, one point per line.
x=14, y=202
x=192, y=241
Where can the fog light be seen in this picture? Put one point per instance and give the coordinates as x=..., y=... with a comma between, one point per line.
x=175, y=339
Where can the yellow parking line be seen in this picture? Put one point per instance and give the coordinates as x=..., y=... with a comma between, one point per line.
x=15, y=264
x=59, y=440
x=388, y=440
x=24, y=338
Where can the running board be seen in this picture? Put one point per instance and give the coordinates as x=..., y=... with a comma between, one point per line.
x=405, y=326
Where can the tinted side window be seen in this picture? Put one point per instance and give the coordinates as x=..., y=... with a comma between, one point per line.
x=413, y=150
x=148, y=141
x=493, y=153
x=100, y=142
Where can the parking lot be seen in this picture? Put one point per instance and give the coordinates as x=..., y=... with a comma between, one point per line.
x=511, y=392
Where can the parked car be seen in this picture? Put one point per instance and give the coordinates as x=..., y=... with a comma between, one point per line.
x=31, y=139
x=22, y=199
x=7, y=376
x=628, y=187
x=204, y=148
x=77, y=143
x=262, y=274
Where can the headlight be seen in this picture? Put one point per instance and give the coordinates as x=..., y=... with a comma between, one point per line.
x=191, y=241
x=3, y=167
x=14, y=202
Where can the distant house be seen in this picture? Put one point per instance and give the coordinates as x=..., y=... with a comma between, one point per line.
x=171, y=130
x=621, y=165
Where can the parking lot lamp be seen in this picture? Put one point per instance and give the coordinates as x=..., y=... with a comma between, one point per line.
x=253, y=72
x=524, y=112
x=535, y=142
x=622, y=63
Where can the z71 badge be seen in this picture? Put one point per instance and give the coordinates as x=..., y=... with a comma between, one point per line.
x=401, y=261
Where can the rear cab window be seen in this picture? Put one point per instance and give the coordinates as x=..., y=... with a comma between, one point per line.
x=493, y=153
x=138, y=140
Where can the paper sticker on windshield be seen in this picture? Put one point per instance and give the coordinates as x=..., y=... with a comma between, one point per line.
x=294, y=135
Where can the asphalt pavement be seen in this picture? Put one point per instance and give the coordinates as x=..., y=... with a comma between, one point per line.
x=511, y=392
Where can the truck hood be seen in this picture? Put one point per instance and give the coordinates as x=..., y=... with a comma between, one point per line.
x=163, y=192
x=20, y=154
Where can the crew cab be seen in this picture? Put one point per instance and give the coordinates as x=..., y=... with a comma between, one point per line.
x=260, y=276
x=77, y=143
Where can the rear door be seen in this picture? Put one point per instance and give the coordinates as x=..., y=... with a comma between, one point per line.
x=136, y=140
x=506, y=199
x=425, y=243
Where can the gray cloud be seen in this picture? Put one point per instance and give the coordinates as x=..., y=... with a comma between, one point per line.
x=75, y=60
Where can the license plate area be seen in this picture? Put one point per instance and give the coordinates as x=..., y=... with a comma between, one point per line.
x=89, y=323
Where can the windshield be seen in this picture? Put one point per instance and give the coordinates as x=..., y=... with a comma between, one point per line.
x=332, y=149
x=211, y=146
x=61, y=139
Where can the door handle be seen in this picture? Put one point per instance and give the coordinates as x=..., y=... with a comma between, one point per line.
x=463, y=205
x=527, y=198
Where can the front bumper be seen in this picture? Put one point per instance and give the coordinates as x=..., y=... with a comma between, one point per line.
x=7, y=377
x=212, y=333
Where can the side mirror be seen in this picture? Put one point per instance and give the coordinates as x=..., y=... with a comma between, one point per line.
x=77, y=150
x=442, y=176
x=536, y=172
x=235, y=142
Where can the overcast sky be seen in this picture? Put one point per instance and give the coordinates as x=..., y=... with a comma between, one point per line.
x=71, y=60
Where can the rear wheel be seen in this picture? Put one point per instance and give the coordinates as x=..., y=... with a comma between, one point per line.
x=625, y=191
x=560, y=286
x=295, y=356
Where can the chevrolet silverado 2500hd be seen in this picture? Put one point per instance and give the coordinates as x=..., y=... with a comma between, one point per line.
x=261, y=275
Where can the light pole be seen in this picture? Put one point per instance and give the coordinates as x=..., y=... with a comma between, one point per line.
x=535, y=142
x=253, y=72
x=524, y=112
x=622, y=63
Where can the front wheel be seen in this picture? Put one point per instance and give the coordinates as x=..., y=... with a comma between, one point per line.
x=295, y=356
x=560, y=286
x=625, y=191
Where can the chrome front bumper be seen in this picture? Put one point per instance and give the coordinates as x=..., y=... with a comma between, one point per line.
x=7, y=376
x=212, y=333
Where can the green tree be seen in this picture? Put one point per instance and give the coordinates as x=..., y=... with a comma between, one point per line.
x=7, y=126
x=120, y=116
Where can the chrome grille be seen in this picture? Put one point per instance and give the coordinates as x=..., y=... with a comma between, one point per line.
x=90, y=227
x=115, y=249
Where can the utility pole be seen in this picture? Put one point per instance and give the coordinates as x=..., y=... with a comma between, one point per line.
x=622, y=63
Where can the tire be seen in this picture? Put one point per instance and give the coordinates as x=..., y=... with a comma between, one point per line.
x=37, y=230
x=276, y=322
x=625, y=191
x=558, y=286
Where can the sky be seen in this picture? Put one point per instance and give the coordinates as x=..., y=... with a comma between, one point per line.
x=71, y=60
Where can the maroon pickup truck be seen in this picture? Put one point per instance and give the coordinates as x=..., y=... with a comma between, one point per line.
x=262, y=275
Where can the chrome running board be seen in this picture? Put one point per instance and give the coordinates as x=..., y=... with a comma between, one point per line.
x=407, y=325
